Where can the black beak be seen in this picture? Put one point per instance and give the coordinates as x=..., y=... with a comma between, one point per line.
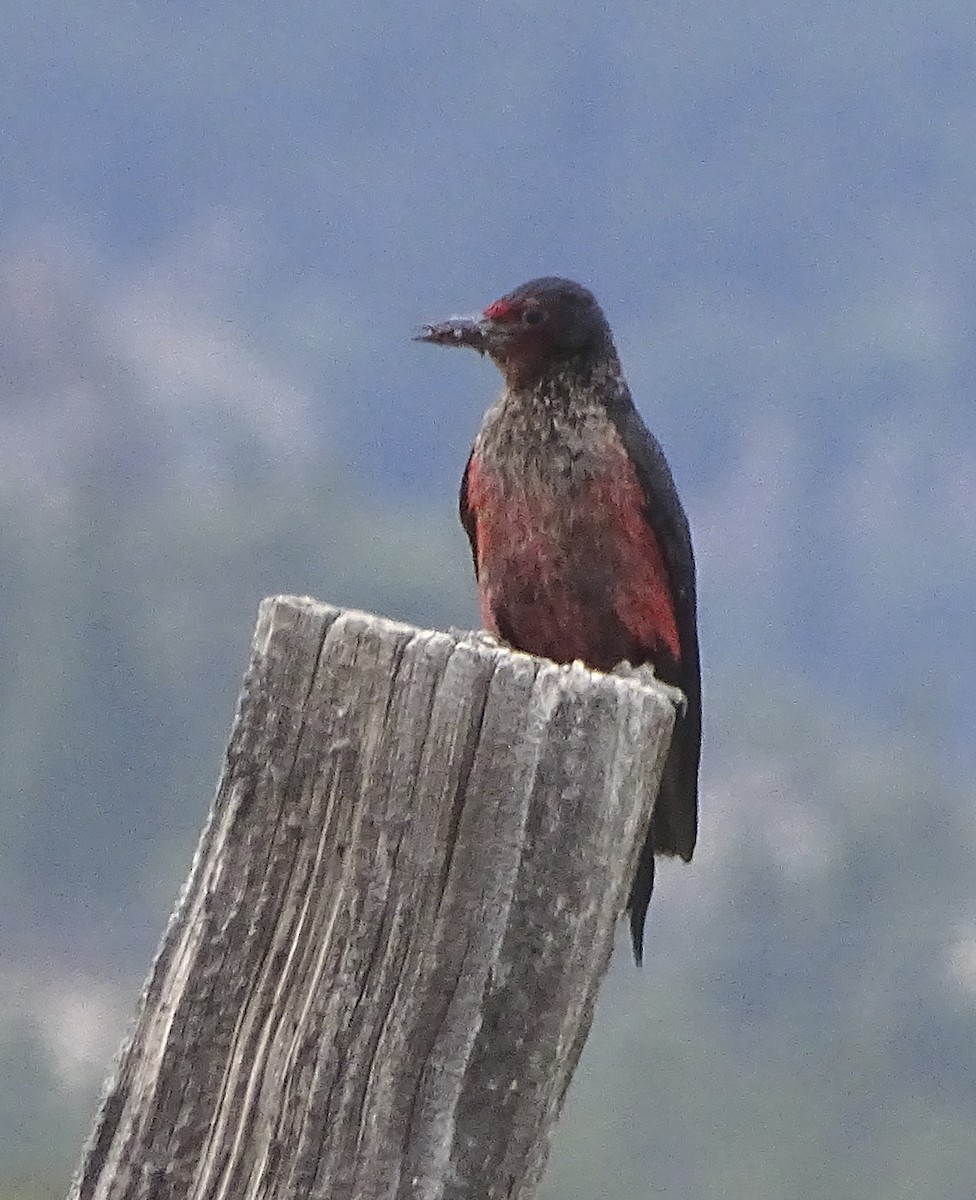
x=458, y=331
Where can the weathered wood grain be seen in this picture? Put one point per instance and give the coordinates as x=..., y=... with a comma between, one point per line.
x=383, y=965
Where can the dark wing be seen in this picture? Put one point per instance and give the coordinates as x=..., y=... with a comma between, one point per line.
x=674, y=824
x=468, y=518
x=666, y=517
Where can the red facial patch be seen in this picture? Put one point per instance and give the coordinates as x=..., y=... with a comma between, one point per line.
x=501, y=310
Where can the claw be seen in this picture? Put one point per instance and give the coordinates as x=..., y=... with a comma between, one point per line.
x=645, y=672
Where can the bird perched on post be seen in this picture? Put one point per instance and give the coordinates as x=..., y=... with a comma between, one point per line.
x=581, y=547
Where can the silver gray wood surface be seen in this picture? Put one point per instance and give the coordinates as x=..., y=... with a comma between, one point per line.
x=382, y=968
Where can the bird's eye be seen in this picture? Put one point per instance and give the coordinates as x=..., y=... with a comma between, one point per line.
x=533, y=316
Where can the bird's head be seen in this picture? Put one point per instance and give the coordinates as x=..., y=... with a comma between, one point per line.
x=544, y=324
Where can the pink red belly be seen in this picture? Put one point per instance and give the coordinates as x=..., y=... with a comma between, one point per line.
x=569, y=576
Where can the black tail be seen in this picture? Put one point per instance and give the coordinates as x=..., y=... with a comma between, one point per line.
x=672, y=831
x=640, y=897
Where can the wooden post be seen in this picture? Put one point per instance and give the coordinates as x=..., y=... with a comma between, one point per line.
x=383, y=965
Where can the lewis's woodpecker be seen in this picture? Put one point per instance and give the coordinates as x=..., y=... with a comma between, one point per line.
x=581, y=547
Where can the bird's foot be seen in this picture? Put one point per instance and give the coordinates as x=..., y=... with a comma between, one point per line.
x=480, y=637
x=646, y=674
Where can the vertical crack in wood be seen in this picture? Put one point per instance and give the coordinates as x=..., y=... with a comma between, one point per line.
x=383, y=964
